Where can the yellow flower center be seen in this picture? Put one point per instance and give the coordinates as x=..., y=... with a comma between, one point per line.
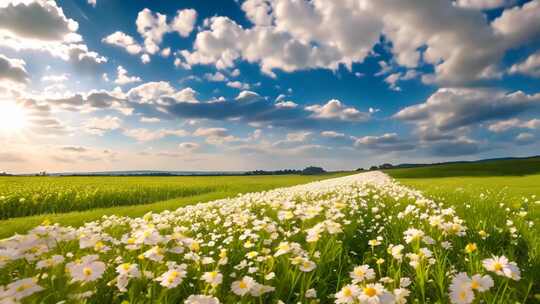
x=462, y=295
x=23, y=287
x=497, y=266
x=347, y=292
x=370, y=291
x=87, y=271
x=475, y=285
x=242, y=285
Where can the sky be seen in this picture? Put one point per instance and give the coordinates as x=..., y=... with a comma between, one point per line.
x=107, y=85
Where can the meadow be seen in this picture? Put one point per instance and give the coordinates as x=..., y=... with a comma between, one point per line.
x=26, y=201
x=462, y=237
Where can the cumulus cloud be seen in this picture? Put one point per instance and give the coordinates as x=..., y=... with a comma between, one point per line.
x=42, y=25
x=530, y=67
x=13, y=69
x=123, y=78
x=450, y=109
x=123, y=40
x=335, y=109
x=101, y=125
x=184, y=22
x=387, y=142
x=483, y=4
x=143, y=135
x=514, y=123
x=525, y=138
x=161, y=93
x=153, y=26
x=299, y=35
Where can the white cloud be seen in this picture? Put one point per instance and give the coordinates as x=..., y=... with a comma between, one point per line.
x=92, y=2
x=123, y=40
x=450, y=110
x=145, y=119
x=184, y=22
x=483, y=4
x=286, y=105
x=238, y=85
x=300, y=35
x=42, y=26
x=332, y=134
x=99, y=126
x=161, y=93
x=13, y=69
x=525, y=138
x=145, y=58
x=387, y=142
x=530, y=67
x=514, y=123
x=55, y=78
x=217, y=77
x=300, y=136
x=334, y=109
x=123, y=78
x=143, y=135
x=152, y=27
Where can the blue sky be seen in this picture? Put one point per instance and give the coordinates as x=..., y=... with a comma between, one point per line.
x=265, y=84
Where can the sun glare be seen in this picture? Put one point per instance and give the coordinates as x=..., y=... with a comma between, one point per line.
x=12, y=117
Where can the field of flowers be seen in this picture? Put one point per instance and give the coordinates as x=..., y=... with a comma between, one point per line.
x=26, y=196
x=357, y=239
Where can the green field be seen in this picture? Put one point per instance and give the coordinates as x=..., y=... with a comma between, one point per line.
x=27, y=201
x=486, y=194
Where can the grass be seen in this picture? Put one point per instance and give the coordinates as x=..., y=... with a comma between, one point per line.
x=508, y=167
x=483, y=194
x=189, y=190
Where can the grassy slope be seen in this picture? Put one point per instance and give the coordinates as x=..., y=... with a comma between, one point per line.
x=229, y=186
x=509, y=179
x=477, y=191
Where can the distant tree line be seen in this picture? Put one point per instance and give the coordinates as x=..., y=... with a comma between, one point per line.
x=306, y=171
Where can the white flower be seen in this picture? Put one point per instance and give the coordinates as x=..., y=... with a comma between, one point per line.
x=201, y=299
x=21, y=289
x=213, y=278
x=412, y=234
x=501, y=266
x=283, y=248
x=243, y=286
x=88, y=269
x=460, y=289
x=361, y=273
x=347, y=294
x=307, y=265
x=400, y=295
x=172, y=277
x=154, y=254
x=481, y=283
x=311, y=293
x=375, y=293
x=129, y=270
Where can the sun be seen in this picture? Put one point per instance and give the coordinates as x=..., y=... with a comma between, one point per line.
x=12, y=116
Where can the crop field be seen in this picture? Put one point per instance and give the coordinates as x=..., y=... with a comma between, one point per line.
x=363, y=238
x=26, y=201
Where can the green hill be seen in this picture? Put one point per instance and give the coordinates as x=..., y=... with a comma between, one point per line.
x=497, y=167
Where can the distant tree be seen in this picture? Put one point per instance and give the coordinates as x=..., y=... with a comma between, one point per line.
x=360, y=169
x=386, y=166
x=373, y=168
x=313, y=170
